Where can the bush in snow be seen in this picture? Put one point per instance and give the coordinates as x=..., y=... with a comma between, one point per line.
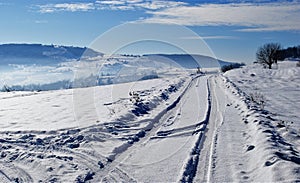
x=298, y=64
x=231, y=66
x=258, y=98
x=135, y=97
x=284, y=124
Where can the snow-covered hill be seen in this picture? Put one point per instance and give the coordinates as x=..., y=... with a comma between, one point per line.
x=38, y=54
x=180, y=127
x=191, y=61
x=48, y=67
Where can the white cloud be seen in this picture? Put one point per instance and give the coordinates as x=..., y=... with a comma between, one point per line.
x=111, y=2
x=156, y=5
x=137, y=4
x=211, y=37
x=110, y=5
x=276, y=16
x=50, y=8
x=134, y=1
x=256, y=17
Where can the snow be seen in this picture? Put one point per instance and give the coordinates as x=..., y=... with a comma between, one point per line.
x=175, y=128
x=171, y=143
x=53, y=110
x=45, y=121
x=270, y=147
x=281, y=88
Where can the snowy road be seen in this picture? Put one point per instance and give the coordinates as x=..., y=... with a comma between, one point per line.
x=164, y=154
x=184, y=144
x=203, y=129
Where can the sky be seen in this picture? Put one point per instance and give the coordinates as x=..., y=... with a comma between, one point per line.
x=231, y=29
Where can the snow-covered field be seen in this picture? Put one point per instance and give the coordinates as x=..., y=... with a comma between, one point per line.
x=280, y=90
x=185, y=128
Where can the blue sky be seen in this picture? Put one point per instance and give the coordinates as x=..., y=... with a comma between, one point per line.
x=232, y=29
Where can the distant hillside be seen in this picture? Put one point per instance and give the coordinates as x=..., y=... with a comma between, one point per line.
x=192, y=61
x=41, y=54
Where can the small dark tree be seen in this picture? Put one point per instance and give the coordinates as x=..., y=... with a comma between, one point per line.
x=6, y=88
x=268, y=54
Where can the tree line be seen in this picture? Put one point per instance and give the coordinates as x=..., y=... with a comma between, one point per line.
x=270, y=53
x=290, y=52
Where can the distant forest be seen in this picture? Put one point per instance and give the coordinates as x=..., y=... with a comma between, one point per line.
x=290, y=52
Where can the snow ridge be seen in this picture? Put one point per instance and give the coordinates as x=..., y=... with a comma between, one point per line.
x=273, y=158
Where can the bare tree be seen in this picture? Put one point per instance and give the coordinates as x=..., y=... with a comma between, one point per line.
x=268, y=54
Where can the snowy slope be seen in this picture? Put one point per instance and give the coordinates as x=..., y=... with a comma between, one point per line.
x=245, y=146
x=42, y=139
x=263, y=136
x=175, y=128
x=28, y=54
x=280, y=89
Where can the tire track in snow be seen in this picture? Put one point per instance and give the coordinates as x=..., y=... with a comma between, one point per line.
x=14, y=173
x=199, y=167
x=4, y=178
x=217, y=119
x=191, y=166
x=187, y=130
x=157, y=121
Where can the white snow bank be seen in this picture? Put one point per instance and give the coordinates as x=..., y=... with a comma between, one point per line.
x=280, y=87
x=272, y=134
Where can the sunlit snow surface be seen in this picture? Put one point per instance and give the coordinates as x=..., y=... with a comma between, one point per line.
x=53, y=110
x=172, y=128
x=280, y=87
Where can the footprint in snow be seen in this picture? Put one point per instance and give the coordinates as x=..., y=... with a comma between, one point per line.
x=250, y=147
x=271, y=161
